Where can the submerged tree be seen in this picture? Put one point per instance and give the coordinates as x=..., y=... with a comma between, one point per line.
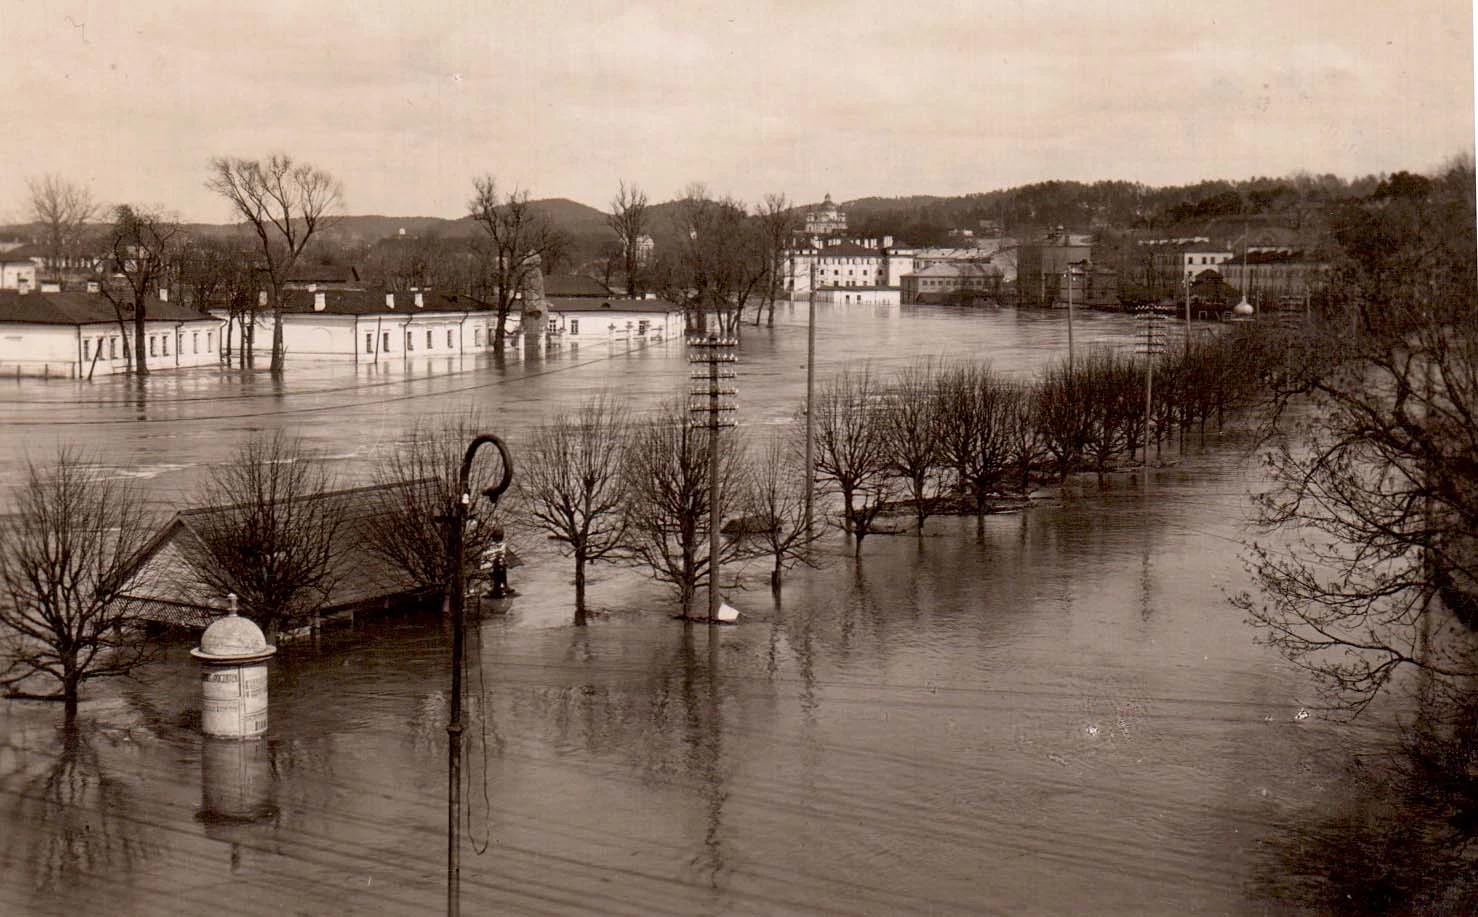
x=628, y=219
x=142, y=247
x=285, y=203
x=574, y=488
x=416, y=500
x=852, y=448
x=667, y=515
x=1374, y=514
x=775, y=507
x=518, y=241
x=270, y=531
x=65, y=559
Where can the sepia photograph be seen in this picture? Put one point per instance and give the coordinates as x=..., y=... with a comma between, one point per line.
x=682, y=458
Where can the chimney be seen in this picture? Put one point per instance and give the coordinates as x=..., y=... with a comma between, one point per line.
x=320, y=301
x=23, y=284
x=92, y=286
x=390, y=300
x=164, y=294
x=420, y=301
x=262, y=298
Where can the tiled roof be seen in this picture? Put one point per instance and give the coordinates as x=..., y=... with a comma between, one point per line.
x=610, y=304
x=82, y=309
x=574, y=285
x=372, y=302
x=959, y=269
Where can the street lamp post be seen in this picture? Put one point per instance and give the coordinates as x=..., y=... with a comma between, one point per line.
x=457, y=599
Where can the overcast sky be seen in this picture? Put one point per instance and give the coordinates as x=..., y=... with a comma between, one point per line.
x=406, y=100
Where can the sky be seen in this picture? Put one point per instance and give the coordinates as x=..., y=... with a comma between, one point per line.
x=406, y=101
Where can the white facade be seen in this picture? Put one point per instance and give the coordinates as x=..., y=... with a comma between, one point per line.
x=1196, y=260
x=861, y=296
x=579, y=321
x=844, y=265
x=101, y=349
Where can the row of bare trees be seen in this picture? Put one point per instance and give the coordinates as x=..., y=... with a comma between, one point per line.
x=959, y=436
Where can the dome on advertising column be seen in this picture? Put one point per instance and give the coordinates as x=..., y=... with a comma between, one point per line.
x=233, y=639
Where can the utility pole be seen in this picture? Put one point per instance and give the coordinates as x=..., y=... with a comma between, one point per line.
x=1151, y=346
x=713, y=410
x=810, y=400
x=1069, y=319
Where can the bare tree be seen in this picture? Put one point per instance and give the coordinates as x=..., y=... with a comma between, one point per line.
x=778, y=222
x=851, y=448
x=775, y=506
x=142, y=244
x=913, y=435
x=976, y=416
x=1373, y=563
x=270, y=533
x=667, y=471
x=285, y=203
x=628, y=218
x=720, y=262
x=217, y=273
x=420, y=484
x=65, y=556
x=519, y=241
x=574, y=486
x=63, y=210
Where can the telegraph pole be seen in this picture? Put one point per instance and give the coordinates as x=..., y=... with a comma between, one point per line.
x=1151, y=346
x=810, y=399
x=712, y=409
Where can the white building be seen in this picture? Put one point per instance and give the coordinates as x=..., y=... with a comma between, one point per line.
x=826, y=219
x=79, y=336
x=840, y=264
x=371, y=327
x=581, y=319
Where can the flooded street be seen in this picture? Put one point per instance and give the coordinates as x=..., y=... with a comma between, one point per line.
x=1062, y=716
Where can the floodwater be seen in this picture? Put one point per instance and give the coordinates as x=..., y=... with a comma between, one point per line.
x=1061, y=716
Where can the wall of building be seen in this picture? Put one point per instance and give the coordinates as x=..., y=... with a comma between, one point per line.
x=71, y=352
x=11, y=276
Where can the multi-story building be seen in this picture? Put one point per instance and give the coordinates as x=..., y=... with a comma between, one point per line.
x=953, y=282
x=1275, y=276
x=836, y=264
x=1041, y=265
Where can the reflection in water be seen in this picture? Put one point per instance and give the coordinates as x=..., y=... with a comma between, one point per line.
x=73, y=820
x=1401, y=838
x=238, y=792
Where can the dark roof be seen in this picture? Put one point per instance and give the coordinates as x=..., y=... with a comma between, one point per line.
x=1280, y=256
x=28, y=252
x=610, y=304
x=361, y=575
x=574, y=285
x=372, y=302
x=16, y=256
x=82, y=309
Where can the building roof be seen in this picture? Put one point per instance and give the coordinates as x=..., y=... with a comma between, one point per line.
x=611, y=304
x=958, y=269
x=373, y=302
x=323, y=273
x=28, y=252
x=37, y=308
x=360, y=574
x=566, y=285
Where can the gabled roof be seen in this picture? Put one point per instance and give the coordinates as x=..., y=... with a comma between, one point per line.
x=37, y=308
x=373, y=302
x=959, y=269
x=29, y=252
x=323, y=273
x=611, y=304
x=360, y=575
x=575, y=285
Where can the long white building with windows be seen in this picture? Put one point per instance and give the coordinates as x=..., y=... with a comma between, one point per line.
x=81, y=335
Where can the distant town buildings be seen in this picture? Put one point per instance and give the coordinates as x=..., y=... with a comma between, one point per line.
x=1042, y=262
x=80, y=335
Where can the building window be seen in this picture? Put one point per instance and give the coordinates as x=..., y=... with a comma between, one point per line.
x=112, y=348
x=449, y=344
x=195, y=342
x=410, y=342
x=641, y=328
x=86, y=348
x=476, y=337
x=386, y=347
x=153, y=346
x=574, y=329
x=210, y=341
x=369, y=342
x=164, y=343
x=429, y=342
